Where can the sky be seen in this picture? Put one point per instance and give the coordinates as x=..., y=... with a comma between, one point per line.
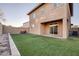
x=75, y=17
x=16, y=14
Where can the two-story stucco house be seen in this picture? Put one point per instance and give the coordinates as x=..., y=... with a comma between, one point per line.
x=51, y=19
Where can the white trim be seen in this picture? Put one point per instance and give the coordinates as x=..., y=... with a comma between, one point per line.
x=53, y=25
x=14, y=50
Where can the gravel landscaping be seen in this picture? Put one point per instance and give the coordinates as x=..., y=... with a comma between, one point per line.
x=4, y=45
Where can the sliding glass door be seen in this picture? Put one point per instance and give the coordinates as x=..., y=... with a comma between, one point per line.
x=54, y=29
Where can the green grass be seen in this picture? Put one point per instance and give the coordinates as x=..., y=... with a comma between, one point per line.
x=35, y=45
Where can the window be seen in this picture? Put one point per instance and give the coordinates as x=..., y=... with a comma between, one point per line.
x=33, y=25
x=54, y=30
x=58, y=4
x=54, y=4
x=33, y=15
x=42, y=11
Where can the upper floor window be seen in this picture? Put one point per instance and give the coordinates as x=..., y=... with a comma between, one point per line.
x=42, y=10
x=33, y=15
x=58, y=4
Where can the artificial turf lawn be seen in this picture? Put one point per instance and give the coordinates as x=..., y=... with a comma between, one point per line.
x=36, y=45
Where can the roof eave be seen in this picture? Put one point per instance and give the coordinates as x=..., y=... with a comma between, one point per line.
x=35, y=8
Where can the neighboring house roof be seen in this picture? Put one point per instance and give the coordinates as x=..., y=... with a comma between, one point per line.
x=39, y=5
x=75, y=26
x=26, y=24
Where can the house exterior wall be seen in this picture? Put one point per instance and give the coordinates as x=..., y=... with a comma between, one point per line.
x=45, y=28
x=47, y=13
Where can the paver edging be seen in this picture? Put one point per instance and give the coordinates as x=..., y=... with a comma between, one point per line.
x=14, y=50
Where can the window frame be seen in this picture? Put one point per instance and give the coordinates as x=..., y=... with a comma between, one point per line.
x=58, y=4
x=33, y=16
x=53, y=29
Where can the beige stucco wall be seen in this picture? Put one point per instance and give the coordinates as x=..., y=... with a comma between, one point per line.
x=51, y=13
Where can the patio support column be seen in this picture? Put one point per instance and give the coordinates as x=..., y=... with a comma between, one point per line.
x=65, y=28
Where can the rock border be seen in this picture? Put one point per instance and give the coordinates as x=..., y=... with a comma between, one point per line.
x=14, y=50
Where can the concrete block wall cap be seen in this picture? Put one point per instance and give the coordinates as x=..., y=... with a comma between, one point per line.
x=14, y=50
